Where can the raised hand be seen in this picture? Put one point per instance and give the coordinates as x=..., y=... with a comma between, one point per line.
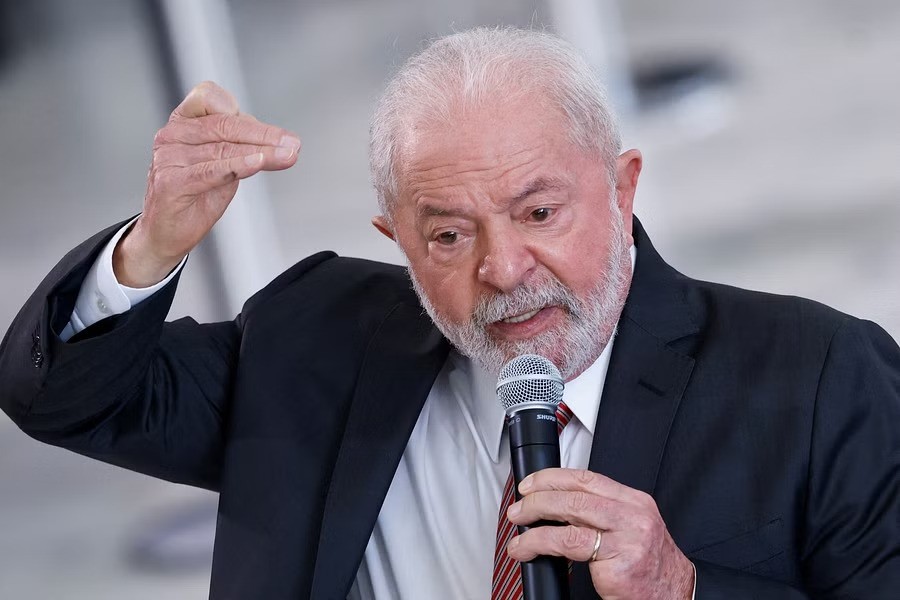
x=199, y=157
x=636, y=558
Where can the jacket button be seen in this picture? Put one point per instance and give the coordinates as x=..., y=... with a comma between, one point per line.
x=37, y=356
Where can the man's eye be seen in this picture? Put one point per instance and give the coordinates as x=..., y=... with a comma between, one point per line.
x=540, y=214
x=447, y=237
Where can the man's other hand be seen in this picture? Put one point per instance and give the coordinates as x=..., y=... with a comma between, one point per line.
x=636, y=559
x=199, y=157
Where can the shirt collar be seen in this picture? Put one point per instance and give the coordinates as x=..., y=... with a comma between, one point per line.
x=581, y=395
x=488, y=416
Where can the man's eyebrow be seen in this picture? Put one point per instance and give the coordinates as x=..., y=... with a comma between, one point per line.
x=426, y=209
x=541, y=184
x=535, y=186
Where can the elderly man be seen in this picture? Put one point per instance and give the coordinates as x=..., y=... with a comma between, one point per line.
x=722, y=443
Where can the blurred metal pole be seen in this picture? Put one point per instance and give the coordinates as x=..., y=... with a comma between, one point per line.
x=198, y=43
x=595, y=28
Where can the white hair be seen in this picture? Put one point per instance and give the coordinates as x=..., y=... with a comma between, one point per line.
x=482, y=65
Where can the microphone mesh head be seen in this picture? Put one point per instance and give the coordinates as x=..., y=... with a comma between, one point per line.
x=529, y=379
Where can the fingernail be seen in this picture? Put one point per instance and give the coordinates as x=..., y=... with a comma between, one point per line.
x=253, y=159
x=284, y=152
x=290, y=141
x=526, y=484
x=513, y=543
x=514, y=509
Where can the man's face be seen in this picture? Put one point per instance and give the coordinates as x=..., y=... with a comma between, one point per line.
x=516, y=240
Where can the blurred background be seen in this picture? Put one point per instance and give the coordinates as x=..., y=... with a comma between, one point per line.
x=770, y=129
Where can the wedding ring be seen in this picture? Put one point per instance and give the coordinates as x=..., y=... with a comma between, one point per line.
x=596, y=546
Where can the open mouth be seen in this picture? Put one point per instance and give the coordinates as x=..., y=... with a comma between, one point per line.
x=522, y=317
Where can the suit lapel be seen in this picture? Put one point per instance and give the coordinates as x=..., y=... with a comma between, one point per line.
x=647, y=375
x=643, y=388
x=400, y=365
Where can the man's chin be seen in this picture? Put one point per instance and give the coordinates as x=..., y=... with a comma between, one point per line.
x=570, y=357
x=491, y=353
x=550, y=351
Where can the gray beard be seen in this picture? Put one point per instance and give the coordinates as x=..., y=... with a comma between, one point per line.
x=572, y=347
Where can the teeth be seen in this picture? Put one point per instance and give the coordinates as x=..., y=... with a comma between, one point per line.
x=521, y=318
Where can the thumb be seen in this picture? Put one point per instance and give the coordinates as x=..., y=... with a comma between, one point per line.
x=207, y=98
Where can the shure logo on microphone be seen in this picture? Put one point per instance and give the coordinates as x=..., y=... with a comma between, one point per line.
x=546, y=418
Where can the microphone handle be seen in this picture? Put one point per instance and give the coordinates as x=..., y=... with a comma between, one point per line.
x=534, y=445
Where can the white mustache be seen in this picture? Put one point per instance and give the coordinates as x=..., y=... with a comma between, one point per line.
x=525, y=298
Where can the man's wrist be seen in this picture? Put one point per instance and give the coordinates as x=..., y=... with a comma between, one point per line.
x=137, y=267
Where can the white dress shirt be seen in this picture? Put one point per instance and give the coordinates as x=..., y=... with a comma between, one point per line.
x=435, y=535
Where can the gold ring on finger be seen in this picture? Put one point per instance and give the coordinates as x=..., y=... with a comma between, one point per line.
x=596, y=546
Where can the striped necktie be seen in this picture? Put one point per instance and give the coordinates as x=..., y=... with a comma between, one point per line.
x=507, y=580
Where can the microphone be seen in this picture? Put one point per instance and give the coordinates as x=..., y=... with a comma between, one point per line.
x=530, y=387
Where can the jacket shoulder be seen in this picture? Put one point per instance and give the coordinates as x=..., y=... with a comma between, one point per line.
x=757, y=314
x=327, y=278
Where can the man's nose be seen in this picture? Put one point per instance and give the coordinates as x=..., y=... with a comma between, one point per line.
x=506, y=263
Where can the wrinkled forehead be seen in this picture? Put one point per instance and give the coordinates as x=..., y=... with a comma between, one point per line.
x=483, y=136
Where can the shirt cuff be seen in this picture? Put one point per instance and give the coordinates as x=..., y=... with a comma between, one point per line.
x=101, y=294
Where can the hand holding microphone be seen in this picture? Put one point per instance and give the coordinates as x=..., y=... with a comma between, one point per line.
x=562, y=514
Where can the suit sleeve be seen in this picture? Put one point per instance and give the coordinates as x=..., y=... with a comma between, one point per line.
x=131, y=390
x=128, y=390
x=852, y=538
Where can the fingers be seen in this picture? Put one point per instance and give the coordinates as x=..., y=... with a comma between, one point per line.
x=583, y=498
x=573, y=542
x=205, y=176
x=578, y=508
x=621, y=567
x=207, y=127
x=235, y=129
x=276, y=158
x=577, y=480
x=207, y=98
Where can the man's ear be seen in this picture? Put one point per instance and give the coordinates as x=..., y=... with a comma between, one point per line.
x=382, y=225
x=628, y=170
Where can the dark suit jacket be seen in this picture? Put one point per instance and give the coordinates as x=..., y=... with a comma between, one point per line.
x=767, y=428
